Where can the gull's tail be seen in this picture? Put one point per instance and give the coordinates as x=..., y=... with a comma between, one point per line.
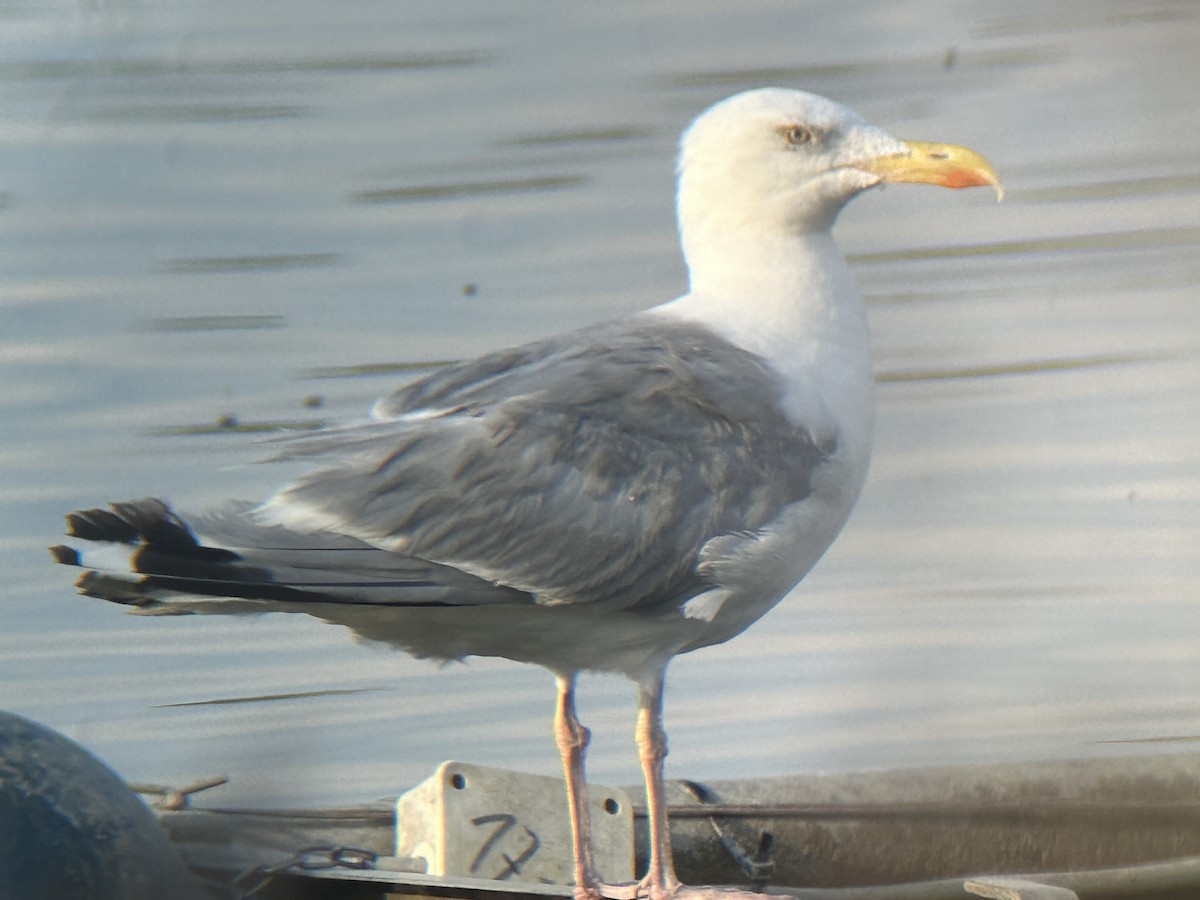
x=142, y=554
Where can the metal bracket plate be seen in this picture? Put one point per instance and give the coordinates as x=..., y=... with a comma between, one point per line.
x=478, y=822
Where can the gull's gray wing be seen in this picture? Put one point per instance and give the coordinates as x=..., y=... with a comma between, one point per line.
x=587, y=468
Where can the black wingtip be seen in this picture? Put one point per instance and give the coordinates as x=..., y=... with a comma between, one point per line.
x=67, y=556
x=100, y=525
x=155, y=523
x=148, y=520
x=114, y=589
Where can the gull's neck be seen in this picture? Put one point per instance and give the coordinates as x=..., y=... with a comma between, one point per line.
x=777, y=296
x=790, y=299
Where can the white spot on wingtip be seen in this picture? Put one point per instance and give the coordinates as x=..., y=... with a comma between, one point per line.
x=705, y=606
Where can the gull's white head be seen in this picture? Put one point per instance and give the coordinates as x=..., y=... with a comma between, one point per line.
x=775, y=162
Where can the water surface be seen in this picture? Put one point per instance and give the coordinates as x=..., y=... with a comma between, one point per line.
x=217, y=215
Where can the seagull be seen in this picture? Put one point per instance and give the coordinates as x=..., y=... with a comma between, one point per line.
x=599, y=500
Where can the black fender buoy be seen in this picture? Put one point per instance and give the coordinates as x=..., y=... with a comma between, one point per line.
x=70, y=829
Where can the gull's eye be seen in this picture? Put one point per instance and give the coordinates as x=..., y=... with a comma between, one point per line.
x=799, y=135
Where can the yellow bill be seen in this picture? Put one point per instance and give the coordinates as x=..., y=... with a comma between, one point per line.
x=946, y=165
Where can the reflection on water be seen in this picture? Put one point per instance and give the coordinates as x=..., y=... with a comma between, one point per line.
x=217, y=221
x=252, y=263
x=580, y=136
x=73, y=69
x=1013, y=368
x=1141, y=186
x=265, y=698
x=215, y=323
x=466, y=189
x=1149, y=237
x=891, y=66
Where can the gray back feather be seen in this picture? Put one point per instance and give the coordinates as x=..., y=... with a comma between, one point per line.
x=587, y=468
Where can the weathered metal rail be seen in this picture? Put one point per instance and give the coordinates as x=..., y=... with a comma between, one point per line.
x=1092, y=829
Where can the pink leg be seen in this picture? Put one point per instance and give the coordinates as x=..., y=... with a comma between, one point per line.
x=660, y=881
x=572, y=739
